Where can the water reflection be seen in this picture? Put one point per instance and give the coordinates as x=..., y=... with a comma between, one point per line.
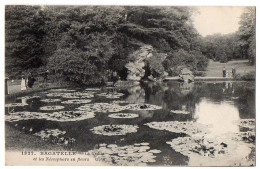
x=220, y=116
x=216, y=105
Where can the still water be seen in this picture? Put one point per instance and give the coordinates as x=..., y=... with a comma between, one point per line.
x=169, y=123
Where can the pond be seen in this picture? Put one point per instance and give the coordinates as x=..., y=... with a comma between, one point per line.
x=202, y=123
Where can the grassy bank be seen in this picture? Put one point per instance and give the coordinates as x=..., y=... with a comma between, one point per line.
x=243, y=68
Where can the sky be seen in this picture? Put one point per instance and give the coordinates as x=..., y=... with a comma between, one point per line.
x=211, y=20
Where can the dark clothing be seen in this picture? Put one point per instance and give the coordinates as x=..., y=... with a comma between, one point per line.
x=233, y=72
x=31, y=81
x=224, y=72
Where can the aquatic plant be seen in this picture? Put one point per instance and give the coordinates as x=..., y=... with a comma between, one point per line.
x=28, y=97
x=16, y=104
x=62, y=90
x=114, y=95
x=102, y=107
x=64, y=116
x=142, y=107
x=76, y=101
x=77, y=95
x=51, y=100
x=180, y=112
x=51, y=107
x=114, y=129
x=187, y=127
x=123, y=115
x=132, y=155
x=17, y=116
x=246, y=123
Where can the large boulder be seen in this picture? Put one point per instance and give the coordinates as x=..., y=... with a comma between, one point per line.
x=135, y=68
x=186, y=75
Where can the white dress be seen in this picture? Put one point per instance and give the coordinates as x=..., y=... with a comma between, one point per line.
x=23, y=87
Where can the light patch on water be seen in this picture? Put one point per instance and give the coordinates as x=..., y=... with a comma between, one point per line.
x=111, y=95
x=16, y=104
x=129, y=155
x=51, y=107
x=102, y=107
x=137, y=107
x=123, y=115
x=76, y=101
x=219, y=116
x=64, y=116
x=187, y=127
x=50, y=100
x=180, y=112
x=114, y=129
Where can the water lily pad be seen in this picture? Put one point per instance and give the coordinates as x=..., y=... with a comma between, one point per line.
x=93, y=89
x=247, y=123
x=55, y=94
x=123, y=115
x=114, y=129
x=142, y=107
x=50, y=100
x=204, y=147
x=62, y=90
x=49, y=132
x=111, y=95
x=17, y=116
x=76, y=101
x=77, y=95
x=125, y=155
x=188, y=127
x=51, y=107
x=120, y=101
x=64, y=116
x=16, y=104
x=102, y=107
x=28, y=97
x=179, y=112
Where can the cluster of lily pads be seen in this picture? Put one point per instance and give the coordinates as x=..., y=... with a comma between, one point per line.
x=16, y=104
x=114, y=95
x=75, y=101
x=55, y=136
x=50, y=100
x=61, y=116
x=187, y=127
x=134, y=155
x=114, y=129
x=123, y=115
x=107, y=107
x=180, y=112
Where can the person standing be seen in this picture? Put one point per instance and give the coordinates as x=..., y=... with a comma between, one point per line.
x=46, y=73
x=23, y=86
x=31, y=80
x=224, y=71
x=233, y=72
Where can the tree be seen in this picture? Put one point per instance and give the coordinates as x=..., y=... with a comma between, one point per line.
x=247, y=34
x=24, y=34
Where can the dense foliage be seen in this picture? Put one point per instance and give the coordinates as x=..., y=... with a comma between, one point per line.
x=238, y=45
x=84, y=44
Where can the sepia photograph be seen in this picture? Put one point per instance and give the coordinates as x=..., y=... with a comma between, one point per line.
x=129, y=85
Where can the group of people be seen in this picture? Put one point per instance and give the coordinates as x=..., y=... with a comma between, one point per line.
x=27, y=81
x=227, y=73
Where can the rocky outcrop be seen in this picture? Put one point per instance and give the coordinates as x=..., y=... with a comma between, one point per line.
x=186, y=75
x=136, y=67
